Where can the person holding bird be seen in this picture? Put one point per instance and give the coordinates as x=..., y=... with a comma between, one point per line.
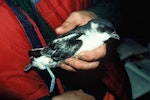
x=97, y=74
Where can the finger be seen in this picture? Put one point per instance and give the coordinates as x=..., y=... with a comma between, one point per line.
x=80, y=90
x=70, y=23
x=65, y=27
x=66, y=67
x=80, y=64
x=75, y=19
x=94, y=54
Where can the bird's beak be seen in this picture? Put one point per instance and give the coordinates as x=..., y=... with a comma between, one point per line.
x=115, y=35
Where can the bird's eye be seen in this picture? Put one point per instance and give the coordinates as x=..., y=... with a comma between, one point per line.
x=106, y=28
x=110, y=29
x=101, y=28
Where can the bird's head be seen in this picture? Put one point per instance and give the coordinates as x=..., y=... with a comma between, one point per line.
x=101, y=27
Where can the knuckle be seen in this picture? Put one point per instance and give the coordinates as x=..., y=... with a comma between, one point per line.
x=76, y=13
x=94, y=64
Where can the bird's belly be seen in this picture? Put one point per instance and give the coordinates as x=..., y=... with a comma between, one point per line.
x=88, y=46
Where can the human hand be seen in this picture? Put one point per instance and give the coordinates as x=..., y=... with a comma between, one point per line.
x=88, y=59
x=77, y=18
x=74, y=95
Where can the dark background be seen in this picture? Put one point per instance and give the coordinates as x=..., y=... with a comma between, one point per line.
x=135, y=20
x=136, y=24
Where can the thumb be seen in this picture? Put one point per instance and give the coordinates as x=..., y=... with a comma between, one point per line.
x=65, y=27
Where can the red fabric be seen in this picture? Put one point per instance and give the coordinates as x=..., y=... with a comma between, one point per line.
x=14, y=82
x=1, y=1
x=60, y=87
x=55, y=12
x=109, y=96
x=117, y=80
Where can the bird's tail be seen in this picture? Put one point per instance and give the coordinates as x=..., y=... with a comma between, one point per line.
x=33, y=53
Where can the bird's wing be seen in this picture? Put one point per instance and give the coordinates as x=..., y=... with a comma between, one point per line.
x=63, y=47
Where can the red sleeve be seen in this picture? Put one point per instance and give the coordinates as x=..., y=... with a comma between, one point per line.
x=14, y=82
x=55, y=12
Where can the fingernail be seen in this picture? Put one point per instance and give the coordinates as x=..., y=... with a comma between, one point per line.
x=58, y=30
x=80, y=90
x=82, y=56
x=69, y=61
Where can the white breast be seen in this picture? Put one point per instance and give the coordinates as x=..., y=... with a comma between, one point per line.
x=92, y=39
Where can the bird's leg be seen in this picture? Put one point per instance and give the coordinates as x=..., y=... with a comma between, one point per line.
x=53, y=79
